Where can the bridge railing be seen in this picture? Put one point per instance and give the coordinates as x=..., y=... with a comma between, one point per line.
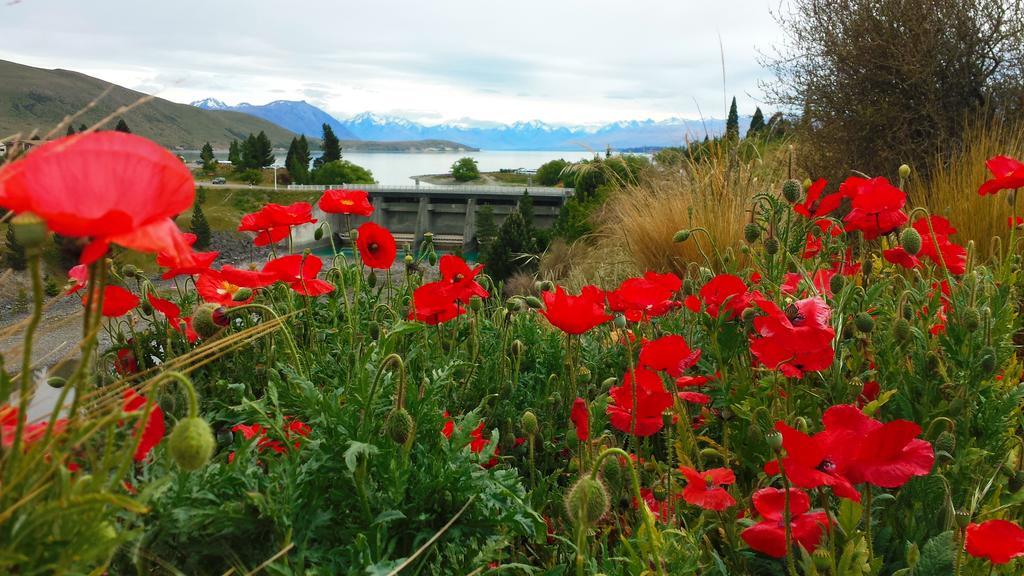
x=505, y=190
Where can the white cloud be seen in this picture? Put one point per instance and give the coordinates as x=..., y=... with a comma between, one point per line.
x=562, y=61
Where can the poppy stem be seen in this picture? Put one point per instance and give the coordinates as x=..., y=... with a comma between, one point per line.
x=790, y=563
x=26, y=387
x=867, y=520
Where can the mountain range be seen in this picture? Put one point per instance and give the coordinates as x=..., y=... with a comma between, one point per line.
x=304, y=118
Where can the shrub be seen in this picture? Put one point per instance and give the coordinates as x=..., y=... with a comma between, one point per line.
x=465, y=169
x=341, y=172
x=550, y=173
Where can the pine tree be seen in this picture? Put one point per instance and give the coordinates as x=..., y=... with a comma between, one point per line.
x=264, y=152
x=486, y=230
x=122, y=126
x=206, y=155
x=200, y=227
x=297, y=160
x=331, y=147
x=71, y=130
x=757, y=124
x=14, y=255
x=234, y=153
x=515, y=238
x=732, y=125
x=249, y=151
x=82, y=128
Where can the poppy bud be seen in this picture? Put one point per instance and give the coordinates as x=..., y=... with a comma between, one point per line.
x=864, y=322
x=374, y=331
x=29, y=230
x=792, y=190
x=822, y=559
x=400, y=427
x=612, y=474
x=220, y=316
x=988, y=360
x=771, y=245
x=571, y=439
x=910, y=240
x=774, y=439
x=529, y=423
x=476, y=304
x=963, y=518
x=56, y=382
x=191, y=443
x=242, y=294
x=432, y=258
x=583, y=374
x=547, y=286
x=904, y=171
x=533, y=302
x=971, y=319
x=946, y=442
x=751, y=232
x=609, y=382
x=901, y=330
x=408, y=259
x=371, y=279
x=836, y=283
x=620, y=321
x=353, y=235
x=318, y=234
x=681, y=236
x=202, y=321
x=518, y=348
x=129, y=271
x=869, y=266
x=748, y=314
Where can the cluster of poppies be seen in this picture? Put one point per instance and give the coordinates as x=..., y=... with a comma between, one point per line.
x=294, y=431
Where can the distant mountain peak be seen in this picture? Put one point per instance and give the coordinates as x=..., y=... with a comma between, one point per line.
x=297, y=116
x=210, y=104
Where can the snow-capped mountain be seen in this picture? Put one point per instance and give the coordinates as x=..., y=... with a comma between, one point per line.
x=304, y=118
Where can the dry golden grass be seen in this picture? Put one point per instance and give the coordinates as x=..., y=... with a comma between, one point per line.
x=636, y=225
x=952, y=189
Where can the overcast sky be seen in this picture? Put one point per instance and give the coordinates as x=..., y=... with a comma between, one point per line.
x=561, y=61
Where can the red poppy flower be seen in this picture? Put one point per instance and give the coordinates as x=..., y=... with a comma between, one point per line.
x=812, y=246
x=868, y=393
x=30, y=433
x=647, y=297
x=814, y=461
x=705, y=489
x=299, y=271
x=939, y=249
x=728, y=293
x=117, y=301
x=247, y=278
x=456, y=272
x=580, y=417
x=173, y=314
x=575, y=314
x=769, y=535
x=449, y=426
x=376, y=246
x=670, y=354
x=826, y=205
x=110, y=187
x=435, y=303
x=124, y=362
x=651, y=401
x=212, y=287
x=820, y=280
x=1008, y=175
x=355, y=202
x=1017, y=221
x=877, y=206
x=885, y=455
x=78, y=278
x=477, y=444
x=998, y=541
x=195, y=263
x=694, y=397
x=274, y=222
x=900, y=257
x=796, y=341
x=153, y=428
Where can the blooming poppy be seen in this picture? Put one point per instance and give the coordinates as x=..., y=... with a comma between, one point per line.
x=153, y=428
x=575, y=314
x=195, y=263
x=173, y=314
x=456, y=272
x=816, y=206
x=247, y=278
x=725, y=292
x=354, y=202
x=1015, y=221
x=868, y=393
x=885, y=455
x=124, y=362
x=1008, y=175
x=436, y=303
x=30, y=433
x=646, y=297
x=299, y=271
x=670, y=354
x=274, y=222
x=78, y=278
x=109, y=187
x=449, y=426
x=900, y=257
x=877, y=206
x=213, y=288
x=376, y=246
x=580, y=417
x=769, y=535
x=796, y=341
x=117, y=301
x=651, y=401
x=814, y=461
x=998, y=541
x=820, y=280
x=694, y=397
x=940, y=249
x=706, y=489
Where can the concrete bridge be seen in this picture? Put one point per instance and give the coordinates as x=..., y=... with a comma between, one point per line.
x=449, y=212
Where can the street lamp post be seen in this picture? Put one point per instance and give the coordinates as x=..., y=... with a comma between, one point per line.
x=275, y=178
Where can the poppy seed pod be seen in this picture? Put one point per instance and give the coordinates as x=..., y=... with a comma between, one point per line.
x=242, y=294
x=476, y=304
x=963, y=518
x=29, y=230
x=792, y=190
x=371, y=279
x=612, y=474
x=822, y=559
x=946, y=442
x=682, y=235
x=836, y=283
x=399, y=426
x=587, y=501
x=771, y=245
x=529, y=423
x=910, y=240
x=318, y=234
x=583, y=374
x=191, y=443
x=202, y=320
x=904, y=171
x=971, y=319
x=751, y=232
x=533, y=302
x=774, y=439
x=864, y=322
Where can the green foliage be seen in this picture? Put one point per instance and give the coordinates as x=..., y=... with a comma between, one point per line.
x=14, y=253
x=251, y=176
x=209, y=160
x=331, y=147
x=515, y=245
x=341, y=172
x=122, y=126
x=235, y=153
x=757, y=124
x=50, y=288
x=298, y=159
x=465, y=169
x=732, y=123
x=200, y=227
x=486, y=228
x=550, y=173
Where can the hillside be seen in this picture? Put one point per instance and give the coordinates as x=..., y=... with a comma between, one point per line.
x=38, y=99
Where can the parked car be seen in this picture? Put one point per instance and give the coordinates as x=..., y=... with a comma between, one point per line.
x=219, y=180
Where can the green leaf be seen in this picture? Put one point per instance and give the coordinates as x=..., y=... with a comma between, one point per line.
x=388, y=516
x=355, y=450
x=937, y=556
x=849, y=515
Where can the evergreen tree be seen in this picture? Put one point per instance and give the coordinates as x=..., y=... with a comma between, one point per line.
x=264, y=152
x=235, y=153
x=297, y=161
x=122, y=126
x=331, y=147
x=486, y=230
x=732, y=125
x=249, y=151
x=757, y=124
x=82, y=128
x=200, y=227
x=515, y=240
x=14, y=255
x=206, y=155
x=71, y=129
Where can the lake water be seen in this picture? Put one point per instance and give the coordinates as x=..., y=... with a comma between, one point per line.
x=399, y=167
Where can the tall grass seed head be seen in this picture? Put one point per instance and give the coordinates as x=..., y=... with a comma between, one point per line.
x=191, y=443
x=587, y=501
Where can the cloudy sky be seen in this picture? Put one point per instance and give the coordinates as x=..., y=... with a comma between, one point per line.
x=561, y=61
